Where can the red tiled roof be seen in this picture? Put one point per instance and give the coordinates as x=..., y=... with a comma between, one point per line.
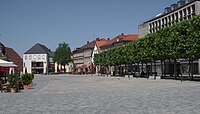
x=130, y=37
x=100, y=43
x=13, y=56
x=119, y=37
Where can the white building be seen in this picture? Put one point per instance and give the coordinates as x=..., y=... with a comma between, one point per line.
x=37, y=59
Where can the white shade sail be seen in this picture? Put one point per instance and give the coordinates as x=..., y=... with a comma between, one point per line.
x=6, y=64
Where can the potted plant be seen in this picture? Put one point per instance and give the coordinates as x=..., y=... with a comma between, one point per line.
x=26, y=80
x=32, y=77
x=13, y=83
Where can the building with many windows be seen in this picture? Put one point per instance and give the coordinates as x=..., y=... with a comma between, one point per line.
x=83, y=56
x=182, y=10
x=38, y=59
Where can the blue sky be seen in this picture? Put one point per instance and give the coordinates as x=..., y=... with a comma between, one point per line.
x=23, y=23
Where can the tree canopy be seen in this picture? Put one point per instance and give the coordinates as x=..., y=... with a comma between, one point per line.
x=62, y=54
x=181, y=40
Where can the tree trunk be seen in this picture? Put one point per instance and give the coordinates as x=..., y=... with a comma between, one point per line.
x=134, y=69
x=64, y=69
x=98, y=70
x=161, y=68
x=189, y=70
x=151, y=68
x=147, y=72
x=115, y=71
x=192, y=68
x=142, y=66
x=107, y=71
x=175, y=69
x=169, y=69
x=120, y=70
x=101, y=70
x=128, y=73
x=164, y=68
x=137, y=70
x=181, y=77
x=155, y=73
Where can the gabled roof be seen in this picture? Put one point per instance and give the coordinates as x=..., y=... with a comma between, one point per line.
x=77, y=50
x=89, y=45
x=38, y=49
x=100, y=43
x=13, y=56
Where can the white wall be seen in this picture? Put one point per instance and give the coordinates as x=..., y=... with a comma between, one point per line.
x=95, y=51
x=29, y=58
x=67, y=67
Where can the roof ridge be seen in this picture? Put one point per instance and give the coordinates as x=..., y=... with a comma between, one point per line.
x=38, y=49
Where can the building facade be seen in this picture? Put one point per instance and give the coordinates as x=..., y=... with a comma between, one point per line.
x=83, y=56
x=2, y=52
x=180, y=11
x=38, y=59
x=119, y=40
x=14, y=57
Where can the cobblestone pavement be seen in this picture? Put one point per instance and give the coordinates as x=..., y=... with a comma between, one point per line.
x=103, y=95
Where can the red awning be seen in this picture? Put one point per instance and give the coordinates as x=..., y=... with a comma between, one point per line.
x=81, y=67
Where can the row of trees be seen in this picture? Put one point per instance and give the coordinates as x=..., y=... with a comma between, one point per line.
x=179, y=41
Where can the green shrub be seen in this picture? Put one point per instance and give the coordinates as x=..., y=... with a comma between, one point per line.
x=26, y=78
x=13, y=80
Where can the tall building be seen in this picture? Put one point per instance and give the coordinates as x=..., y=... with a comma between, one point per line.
x=37, y=59
x=180, y=11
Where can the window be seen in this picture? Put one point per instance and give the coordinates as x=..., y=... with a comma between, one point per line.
x=193, y=8
x=188, y=10
x=30, y=57
x=39, y=57
x=34, y=57
x=25, y=57
x=176, y=16
x=181, y=14
x=184, y=12
x=43, y=57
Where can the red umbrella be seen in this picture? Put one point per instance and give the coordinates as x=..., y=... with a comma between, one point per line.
x=92, y=68
x=15, y=68
x=7, y=69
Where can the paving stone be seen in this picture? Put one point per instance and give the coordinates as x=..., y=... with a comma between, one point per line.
x=61, y=94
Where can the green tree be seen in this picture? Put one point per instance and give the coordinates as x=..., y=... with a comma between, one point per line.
x=63, y=54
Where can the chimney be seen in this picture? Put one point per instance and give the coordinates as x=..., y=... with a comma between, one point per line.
x=88, y=42
x=97, y=39
x=122, y=34
x=108, y=38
